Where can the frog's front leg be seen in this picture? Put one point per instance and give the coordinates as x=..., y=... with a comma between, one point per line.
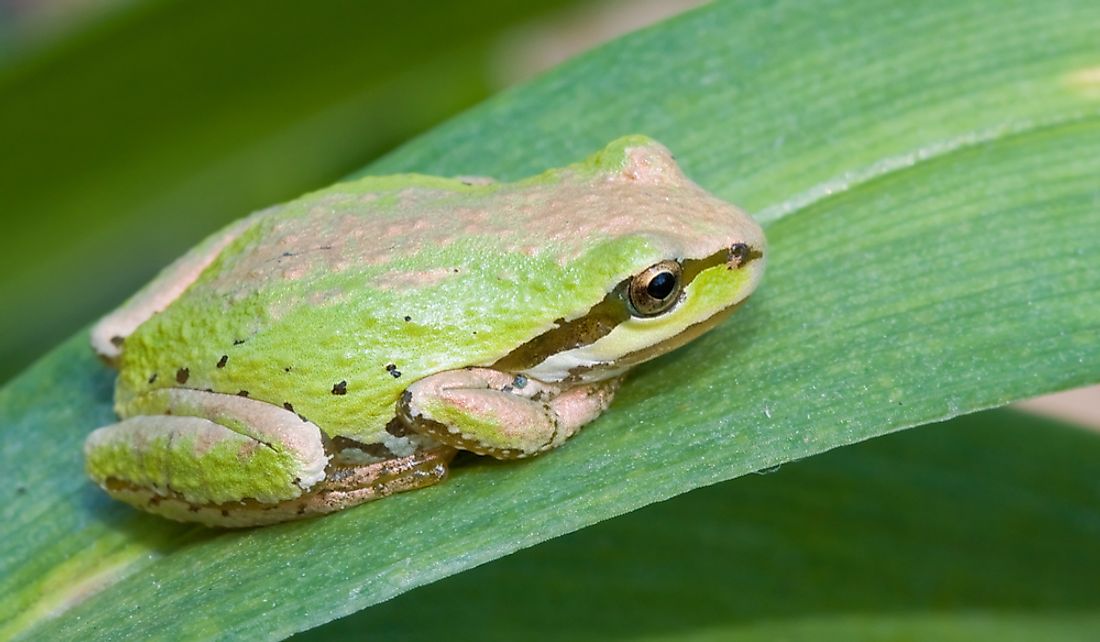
x=225, y=460
x=503, y=415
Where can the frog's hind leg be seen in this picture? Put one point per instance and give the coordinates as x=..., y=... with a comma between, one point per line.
x=351, y=488
x=111, y=331
x=230, y=461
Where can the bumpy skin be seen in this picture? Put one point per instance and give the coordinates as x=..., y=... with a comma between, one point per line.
x=328, y=308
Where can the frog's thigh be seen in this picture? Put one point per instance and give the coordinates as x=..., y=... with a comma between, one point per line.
x=486, y=412
x=197, y=447
x=111, y=331
x=225, y=460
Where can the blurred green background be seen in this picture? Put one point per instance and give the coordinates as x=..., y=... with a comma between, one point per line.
x=130, y=130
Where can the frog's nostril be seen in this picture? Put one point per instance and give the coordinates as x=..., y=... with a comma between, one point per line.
x=741, y=253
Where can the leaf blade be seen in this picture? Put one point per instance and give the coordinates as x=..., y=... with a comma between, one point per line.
x=896, y=302
x=975, y=528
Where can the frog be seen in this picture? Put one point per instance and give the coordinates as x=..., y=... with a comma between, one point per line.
x=346, y=345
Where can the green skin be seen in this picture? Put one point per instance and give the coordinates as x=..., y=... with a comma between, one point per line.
x=394, y=297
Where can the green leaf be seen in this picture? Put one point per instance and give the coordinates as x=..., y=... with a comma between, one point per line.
x=984, y=527
x=927, y=176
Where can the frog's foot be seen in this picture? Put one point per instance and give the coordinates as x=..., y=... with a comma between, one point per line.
x=224, y=460
x=495, y=413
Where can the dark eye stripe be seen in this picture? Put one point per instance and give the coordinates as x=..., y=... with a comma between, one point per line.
x=597, y=323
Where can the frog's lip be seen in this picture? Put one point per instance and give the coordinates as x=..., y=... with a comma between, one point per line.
x=631, y=359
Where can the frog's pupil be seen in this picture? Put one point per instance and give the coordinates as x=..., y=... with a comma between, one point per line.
x=661, y=285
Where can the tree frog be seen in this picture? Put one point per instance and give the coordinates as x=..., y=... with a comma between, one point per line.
x=345, y=345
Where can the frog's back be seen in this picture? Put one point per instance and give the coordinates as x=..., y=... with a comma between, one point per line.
x=334, y=303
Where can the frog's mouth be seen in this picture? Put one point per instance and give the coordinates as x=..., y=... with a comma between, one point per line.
x=559, y=354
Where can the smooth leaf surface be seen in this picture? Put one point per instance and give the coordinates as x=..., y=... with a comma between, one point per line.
x=927, y=174
x=983, y=527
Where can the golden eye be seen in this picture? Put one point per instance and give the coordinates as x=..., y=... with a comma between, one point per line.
x=656, y=289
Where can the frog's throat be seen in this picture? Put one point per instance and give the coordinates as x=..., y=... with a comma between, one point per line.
x=539, y=356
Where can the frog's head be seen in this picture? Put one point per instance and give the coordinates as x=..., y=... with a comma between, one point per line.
x=670, y=260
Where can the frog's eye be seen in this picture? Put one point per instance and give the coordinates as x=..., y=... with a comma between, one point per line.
x=656, y=289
